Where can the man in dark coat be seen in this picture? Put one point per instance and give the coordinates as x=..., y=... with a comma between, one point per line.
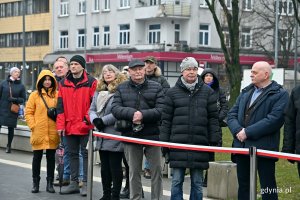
x=255, y=120
x=291, y=140
x=190, y=116
x=139, y=101
x=11, y=91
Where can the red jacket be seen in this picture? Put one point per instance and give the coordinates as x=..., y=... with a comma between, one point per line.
x=74, y=103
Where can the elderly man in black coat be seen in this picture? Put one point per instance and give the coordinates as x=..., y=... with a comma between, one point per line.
x=190, y=116
x=139, y=102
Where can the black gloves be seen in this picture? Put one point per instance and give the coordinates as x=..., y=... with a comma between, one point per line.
x=98, y=122
x=165, y=152
x=13, y=100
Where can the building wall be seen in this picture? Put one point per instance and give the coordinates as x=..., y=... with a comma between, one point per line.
x=13, y=56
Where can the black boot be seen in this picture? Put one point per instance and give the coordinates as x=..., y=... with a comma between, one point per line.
x=8, y=149
x=49, y=187
x=125, y=192
x=36, y=185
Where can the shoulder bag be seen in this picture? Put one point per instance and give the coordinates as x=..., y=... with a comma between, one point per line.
x=14, y=108
x=51, y=112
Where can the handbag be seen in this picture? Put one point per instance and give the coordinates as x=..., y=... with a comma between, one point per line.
x=14, y=108
x=51, y=112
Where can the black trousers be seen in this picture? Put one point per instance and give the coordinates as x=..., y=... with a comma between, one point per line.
x=74, y=143
x=10, y=135
x=37, y=159
x=111, y=173
x=266, y=173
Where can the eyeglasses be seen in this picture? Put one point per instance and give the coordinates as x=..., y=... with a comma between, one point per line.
x=108, y=72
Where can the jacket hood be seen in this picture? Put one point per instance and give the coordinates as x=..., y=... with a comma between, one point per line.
x=43, y=73
x=157, y=72
x=216, y=84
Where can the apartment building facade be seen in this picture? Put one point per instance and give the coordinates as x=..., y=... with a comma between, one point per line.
x=36, y=28
x=115, y=31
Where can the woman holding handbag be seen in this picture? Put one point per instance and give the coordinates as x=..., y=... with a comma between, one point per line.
x=12, y=94
x=111, y=151
x=43, y=128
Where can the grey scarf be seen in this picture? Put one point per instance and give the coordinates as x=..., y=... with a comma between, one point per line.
x=189, y=86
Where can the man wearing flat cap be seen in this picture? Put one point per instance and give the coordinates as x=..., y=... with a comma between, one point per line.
x=190, y=116
x=139, y=101
x=74, y=98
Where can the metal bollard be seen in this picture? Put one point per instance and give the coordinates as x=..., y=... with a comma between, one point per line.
x=90, y=167
x=253, y=172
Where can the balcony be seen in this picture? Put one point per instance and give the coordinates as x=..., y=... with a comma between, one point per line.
x=167, y=9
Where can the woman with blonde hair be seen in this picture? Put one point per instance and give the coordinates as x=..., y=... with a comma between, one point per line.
x=111, y=151
x=43, y=129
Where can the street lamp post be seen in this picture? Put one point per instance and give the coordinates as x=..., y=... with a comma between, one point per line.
x=276, y=34
x=296, y=49
x=24, y=43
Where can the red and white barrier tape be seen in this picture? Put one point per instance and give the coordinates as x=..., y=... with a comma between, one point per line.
x=244, y=151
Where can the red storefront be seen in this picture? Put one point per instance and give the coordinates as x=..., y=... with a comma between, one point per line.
x=216, y=58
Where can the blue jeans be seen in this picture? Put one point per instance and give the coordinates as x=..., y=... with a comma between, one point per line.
x=196, y=184
x=66, y=158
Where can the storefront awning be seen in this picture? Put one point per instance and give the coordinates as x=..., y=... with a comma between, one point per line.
x=171, y=57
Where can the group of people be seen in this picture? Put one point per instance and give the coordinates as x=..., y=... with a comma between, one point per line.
x=142, y=105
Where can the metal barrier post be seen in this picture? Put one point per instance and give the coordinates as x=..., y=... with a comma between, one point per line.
x=90, y=167
x=253, y=173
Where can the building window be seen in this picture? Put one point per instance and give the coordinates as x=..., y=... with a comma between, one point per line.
x=228, y=4
x=285, y=39
x=154, y=2
x=96, y=5
x=64, y=7
x=106, y=5
x=177, y=33
x=154, y=33
x=247, y=5
x=106, y=36
x=81, y=38
x=81, y=7
x=204, y=33
x=35, y=38
x=203, y=4
x=64, y=40
x=124, y=34
x=96, y=37
x=124, y=3
x=286, y=7
x=246, y=38
x=226, y=36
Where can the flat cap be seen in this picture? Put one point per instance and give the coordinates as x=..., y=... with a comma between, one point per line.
x=135, y=62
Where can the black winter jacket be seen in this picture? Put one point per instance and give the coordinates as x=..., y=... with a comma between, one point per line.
x=146, y=98
x=8, y=118
x=291, y=140
x=222, y=103
x=190, y=118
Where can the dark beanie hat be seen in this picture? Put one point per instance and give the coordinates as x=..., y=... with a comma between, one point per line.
x=79, y=59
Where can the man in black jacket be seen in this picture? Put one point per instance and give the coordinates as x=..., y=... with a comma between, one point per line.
x=139, y=101
x=291, y=140
x=190, y=116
